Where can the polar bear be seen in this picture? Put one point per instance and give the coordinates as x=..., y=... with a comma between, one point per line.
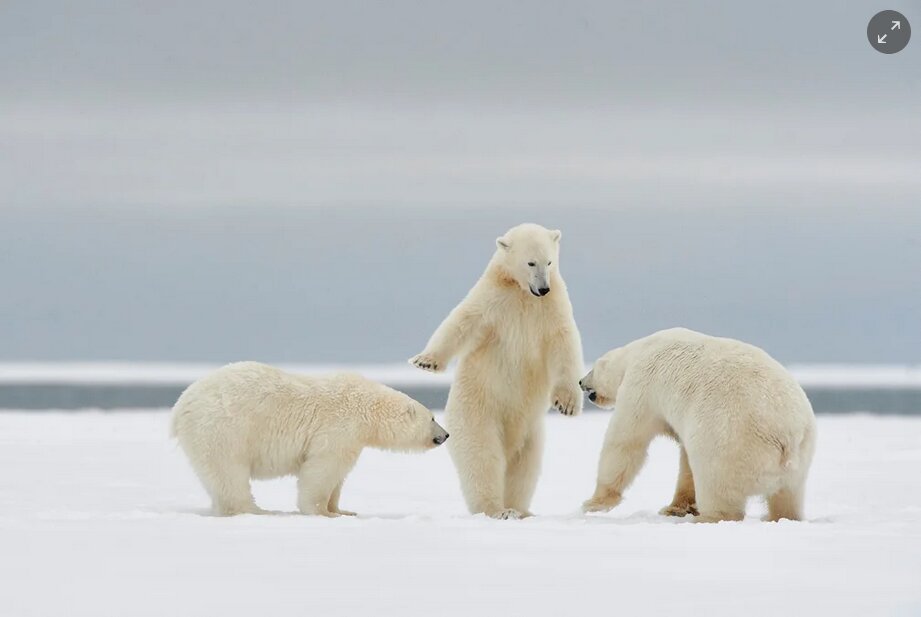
x=745, y=427
x=519, y=352
x=252, y=421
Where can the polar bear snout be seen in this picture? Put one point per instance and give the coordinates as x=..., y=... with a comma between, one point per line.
x=538, y=280
x=440, y=435
x=588, y=387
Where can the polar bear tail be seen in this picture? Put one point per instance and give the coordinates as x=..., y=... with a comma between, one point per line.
x=786, y=457
x=791, y=453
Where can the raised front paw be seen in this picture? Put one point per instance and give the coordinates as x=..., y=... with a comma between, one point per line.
x=427, y=362
x=567, y=400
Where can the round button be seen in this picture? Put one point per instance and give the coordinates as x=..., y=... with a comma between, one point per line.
x=888, y=32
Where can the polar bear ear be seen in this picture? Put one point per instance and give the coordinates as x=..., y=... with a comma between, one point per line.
x=503, y=244
x=555, y=235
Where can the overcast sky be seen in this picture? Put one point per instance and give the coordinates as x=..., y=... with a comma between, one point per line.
x=495, y=52
x=316, y=182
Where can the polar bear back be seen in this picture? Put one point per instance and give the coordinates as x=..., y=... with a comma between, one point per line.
x=719, y=385
x=266, y=418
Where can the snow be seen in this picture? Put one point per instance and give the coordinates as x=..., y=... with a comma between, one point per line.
x=100, y=515
x=817, y=375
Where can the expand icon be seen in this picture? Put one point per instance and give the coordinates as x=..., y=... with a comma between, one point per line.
x=888, y=32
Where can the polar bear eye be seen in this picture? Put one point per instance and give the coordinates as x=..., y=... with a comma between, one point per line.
x=549, y=262
x=532, y=264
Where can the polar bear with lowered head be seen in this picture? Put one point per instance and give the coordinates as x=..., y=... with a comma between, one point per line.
x=744, y=425
x=249, y=420
x=518, y=353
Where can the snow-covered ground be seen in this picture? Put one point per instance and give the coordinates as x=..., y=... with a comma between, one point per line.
x=100, y=515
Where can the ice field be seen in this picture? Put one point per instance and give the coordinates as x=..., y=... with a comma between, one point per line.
x=100, y=515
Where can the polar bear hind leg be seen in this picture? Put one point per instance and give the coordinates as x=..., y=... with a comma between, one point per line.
x=717, y=502
x=523, y=471
x=333, y=505
x=228, y=484
x=786, y=503
x=481, y=465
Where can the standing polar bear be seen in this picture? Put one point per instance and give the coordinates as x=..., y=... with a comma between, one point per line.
x=249, y=420
x=519, y=352
x=744, y=425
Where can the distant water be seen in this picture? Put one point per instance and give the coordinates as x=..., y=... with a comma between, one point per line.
x=831, y=389
x=884, y=401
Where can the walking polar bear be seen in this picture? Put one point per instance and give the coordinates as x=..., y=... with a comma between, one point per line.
x=744, y=425
x=249, y=420
x=519, y=352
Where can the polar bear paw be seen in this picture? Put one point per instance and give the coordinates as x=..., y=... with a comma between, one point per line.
x=311, y=510
x=427, y=362
x=509, y=514
x=567, y=400
x=602, y=503
x=679, y=509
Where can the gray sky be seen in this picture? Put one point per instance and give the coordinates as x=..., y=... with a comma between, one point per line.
x=493, y=52
x=809, y=283
x=301, y=181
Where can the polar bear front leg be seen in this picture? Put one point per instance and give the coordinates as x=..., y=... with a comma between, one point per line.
x=462, y=327
x=320, y=476
x=566, y=369
x=567, y=398
x=622, y=456
x=685, y=501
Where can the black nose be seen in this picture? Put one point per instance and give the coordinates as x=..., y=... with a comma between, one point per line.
x=543, y=291
x=591, y=397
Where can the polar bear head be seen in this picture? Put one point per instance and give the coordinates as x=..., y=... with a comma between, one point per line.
x=528, y=255
x=404, y=424
x=602, y=382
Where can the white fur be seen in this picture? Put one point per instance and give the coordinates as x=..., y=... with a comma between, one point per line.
x=249, y=420
x=518, y=354
x=744, y=425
